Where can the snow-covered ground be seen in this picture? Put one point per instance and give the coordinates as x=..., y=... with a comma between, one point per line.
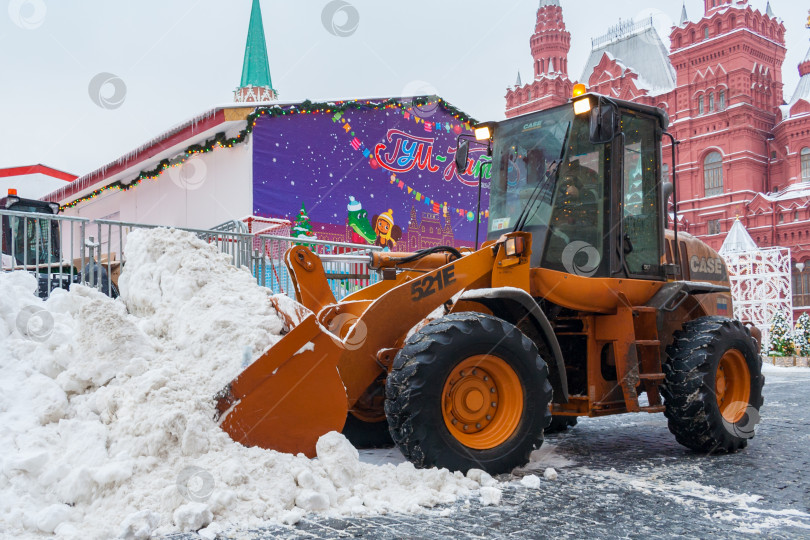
x=106, y=411
x=780, y=370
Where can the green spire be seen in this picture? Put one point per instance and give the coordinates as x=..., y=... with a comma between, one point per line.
x=256, y=67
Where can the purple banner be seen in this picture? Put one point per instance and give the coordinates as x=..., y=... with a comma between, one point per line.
x=380, y=176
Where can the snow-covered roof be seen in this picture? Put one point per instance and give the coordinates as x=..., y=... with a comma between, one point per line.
x=802, y=89
x=738, y=240
x=793, y=191
x=176, y=139
x=639, y=47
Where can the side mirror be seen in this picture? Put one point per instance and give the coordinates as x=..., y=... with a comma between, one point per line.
x=462, y=153
x=603, y=124
x=666, y=190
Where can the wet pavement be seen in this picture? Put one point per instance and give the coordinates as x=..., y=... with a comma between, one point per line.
x=624, y=476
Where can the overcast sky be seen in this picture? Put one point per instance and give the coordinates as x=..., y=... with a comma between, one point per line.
x=178, y=58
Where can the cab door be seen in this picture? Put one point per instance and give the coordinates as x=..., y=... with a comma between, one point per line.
x=639, y=240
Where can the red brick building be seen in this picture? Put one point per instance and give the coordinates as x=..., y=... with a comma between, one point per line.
x=550, y=44
x=744, y=151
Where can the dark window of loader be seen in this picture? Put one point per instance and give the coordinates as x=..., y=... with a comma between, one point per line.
x=641, y=201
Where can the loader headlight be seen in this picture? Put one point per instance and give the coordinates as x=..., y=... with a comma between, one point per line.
x=514, y=246
x=482, y=133
x=581, y=106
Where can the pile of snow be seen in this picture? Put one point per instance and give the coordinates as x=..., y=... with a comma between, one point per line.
x=106, y=410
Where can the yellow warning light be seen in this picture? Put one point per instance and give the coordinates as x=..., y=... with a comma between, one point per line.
x=579, y=89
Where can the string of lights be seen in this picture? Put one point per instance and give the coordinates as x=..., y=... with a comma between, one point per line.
x=221, y=140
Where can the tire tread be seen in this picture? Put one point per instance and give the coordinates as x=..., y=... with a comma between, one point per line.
x=405, y=407
x=688, y=391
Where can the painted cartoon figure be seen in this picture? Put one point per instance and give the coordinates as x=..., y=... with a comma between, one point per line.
x=388, y=234
x=358, y=221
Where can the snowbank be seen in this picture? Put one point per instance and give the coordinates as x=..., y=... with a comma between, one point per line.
x=106, y=410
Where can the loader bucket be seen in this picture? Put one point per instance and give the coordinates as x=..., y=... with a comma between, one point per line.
x=302, y=387
x=290, y=396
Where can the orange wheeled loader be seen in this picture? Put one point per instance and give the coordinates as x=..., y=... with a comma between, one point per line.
x=581, y=302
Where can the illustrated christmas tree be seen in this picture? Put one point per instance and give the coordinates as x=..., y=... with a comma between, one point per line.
x=801, y=335
x=781, y=341
x=302, y=228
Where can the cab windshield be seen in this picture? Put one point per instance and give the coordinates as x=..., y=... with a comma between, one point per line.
x=547, y=173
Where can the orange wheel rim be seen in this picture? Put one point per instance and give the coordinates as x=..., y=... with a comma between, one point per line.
x=482, y=401
x=732, y=385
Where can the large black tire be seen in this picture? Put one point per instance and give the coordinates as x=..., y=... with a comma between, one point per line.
x=431, y=358
x=367, y=434
x=693, y=389
x=560, y=423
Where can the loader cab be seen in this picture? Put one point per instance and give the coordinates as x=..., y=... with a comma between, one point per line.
x=28, y=241
x=586, y=184
x=34, y=244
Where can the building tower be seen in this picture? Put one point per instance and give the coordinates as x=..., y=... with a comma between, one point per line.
x=256, y=84
x=729, y=76
x=712, y=6
x=549, y=45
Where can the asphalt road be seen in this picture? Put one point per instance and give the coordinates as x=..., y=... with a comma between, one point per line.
x=626, y=477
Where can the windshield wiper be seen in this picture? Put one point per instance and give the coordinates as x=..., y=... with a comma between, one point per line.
x=523, y=218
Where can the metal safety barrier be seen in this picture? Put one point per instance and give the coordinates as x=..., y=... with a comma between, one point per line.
x=112, y=236
x=346, y=265
x=62, y=250
x=233, y=225
x=49, y=246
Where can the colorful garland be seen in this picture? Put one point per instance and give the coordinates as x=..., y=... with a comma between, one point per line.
x=220, y=140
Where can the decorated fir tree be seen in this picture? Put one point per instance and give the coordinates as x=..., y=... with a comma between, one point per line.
x=801, y=335
x=781, y=338
x=302, y=228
